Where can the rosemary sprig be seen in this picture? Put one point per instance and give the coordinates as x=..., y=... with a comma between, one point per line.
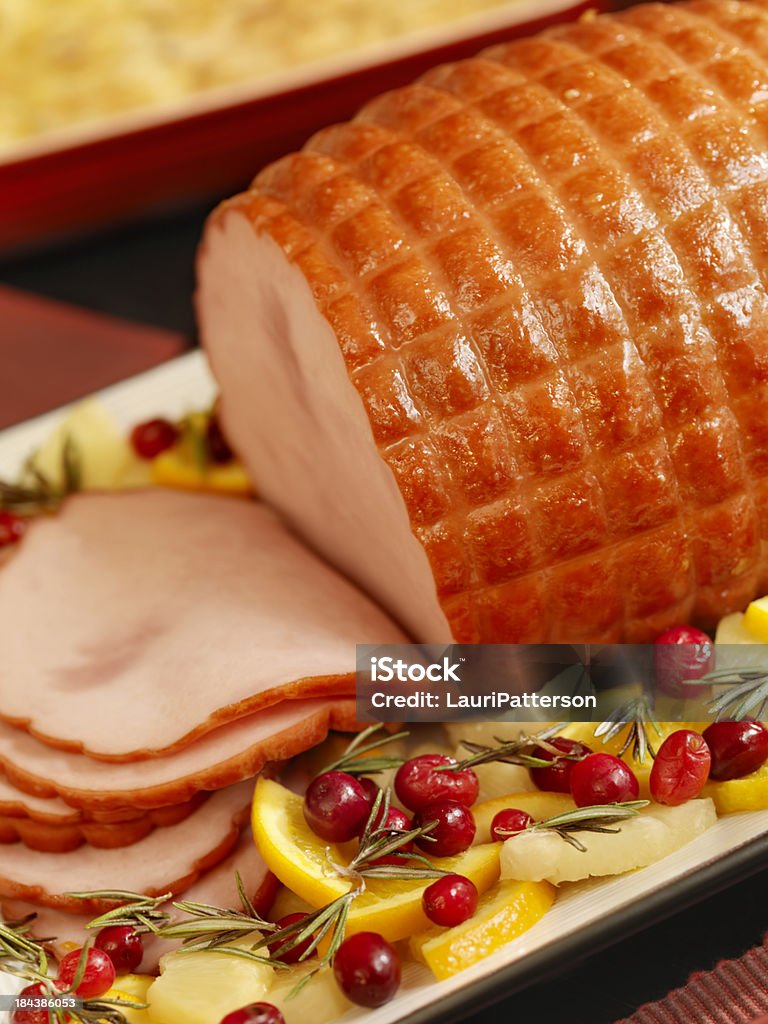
x=353, y=764
x=142, y=913
x=35, y=493
x=589, y=819
x=512, y=751
x=16, y=945
x=638, y=715
x=748, y=697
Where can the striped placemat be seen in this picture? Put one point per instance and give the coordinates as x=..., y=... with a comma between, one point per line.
x=734, y=992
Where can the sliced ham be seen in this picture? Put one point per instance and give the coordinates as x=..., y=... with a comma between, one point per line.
x=169, y=860
x=217, y=887
x=498, y=348
x=142, y=621
x=52, y=810
x=225, y=756
x=62, y=837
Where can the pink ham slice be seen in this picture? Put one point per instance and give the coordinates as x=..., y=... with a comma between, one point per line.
x=225, y=756
x=142, y=621
x=497, y=347
x=217, y=887
x=168, y=860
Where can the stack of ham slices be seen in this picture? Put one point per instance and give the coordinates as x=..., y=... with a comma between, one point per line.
x=163, y=648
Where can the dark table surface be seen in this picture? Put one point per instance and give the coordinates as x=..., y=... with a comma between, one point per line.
x=146, y=273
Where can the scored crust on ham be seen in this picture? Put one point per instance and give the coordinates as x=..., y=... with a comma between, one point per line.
x=217, y=887
x=498, y=348
x=142, y=621
x=221, y=758
x=168, y=860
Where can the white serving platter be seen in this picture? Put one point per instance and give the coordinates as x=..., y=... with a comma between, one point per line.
x=586, y=916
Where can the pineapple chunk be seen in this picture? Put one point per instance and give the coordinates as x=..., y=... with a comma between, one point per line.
x=653, y=834
x=132, y=988
x=320, y=1000
x=201, y=988
x=105, y=457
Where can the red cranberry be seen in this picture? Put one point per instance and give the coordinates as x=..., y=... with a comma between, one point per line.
x=367, y=969
x=371, y=788
x=296, y=952
x=602, y=779
x=454, y=832
x=31, y=1014
x=151, y=438
x=557, y=777
x=683, y=652
x=737, y=748
x=509, y=822
x=12, y=529
x=336, y=806
x=123, y=946
x=217, y=444
x=99, y=975
x=255, y=1013
x=395, y=821
x=418, y=783
x=681, y=768
x=450, y=900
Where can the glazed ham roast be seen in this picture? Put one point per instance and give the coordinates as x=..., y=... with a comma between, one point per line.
x=498, y=348
x=497, y=351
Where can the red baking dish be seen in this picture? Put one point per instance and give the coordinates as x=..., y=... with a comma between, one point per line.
x=85, y=177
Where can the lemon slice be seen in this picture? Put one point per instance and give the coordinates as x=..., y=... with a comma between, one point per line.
x=756, y=619
x=539, y=805
x=304, y=862
x=747, y=794
x=505, y=912
x=291, y=850
x=175, y=468
x=132, y=988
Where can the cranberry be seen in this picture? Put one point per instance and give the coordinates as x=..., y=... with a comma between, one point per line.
x=99, y=975
x=557, y=777
x=296, y=952
x=367, y=969
x=681, y=768
x=454, y=831
x=12, y=529
x=123, y=946
x=336, y=806
x=31, y=1014
x=418, y=783
x=217, y=444
x=450, y=900
x=395, y=821
x=371, y=790
x=509, y=822
x=683, y=652
x=737, y=748
x=255, y=1013
x=152, y=437
x=602, y=779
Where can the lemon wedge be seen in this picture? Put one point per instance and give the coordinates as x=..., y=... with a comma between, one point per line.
x=301, y=860
x=132, y=988
x=505, y=912
x=747, y=794
x=756, y=619
x=174, y=468
x=305, y=863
